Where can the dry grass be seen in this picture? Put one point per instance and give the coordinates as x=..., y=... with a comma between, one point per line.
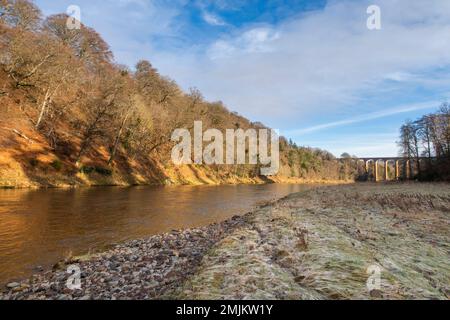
x=319, y=244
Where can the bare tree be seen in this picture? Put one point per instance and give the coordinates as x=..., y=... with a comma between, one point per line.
x=444, y=116
x=156, y=88
x=85, y=42
x=429, y=136
x=125, y=109
x=99, y=108
x=21, y=14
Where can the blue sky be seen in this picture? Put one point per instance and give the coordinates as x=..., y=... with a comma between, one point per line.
x=309, y=68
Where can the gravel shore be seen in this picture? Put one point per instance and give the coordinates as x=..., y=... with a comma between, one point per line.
x=141, y=269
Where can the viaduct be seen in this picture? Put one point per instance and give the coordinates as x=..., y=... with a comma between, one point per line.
x=403, y=167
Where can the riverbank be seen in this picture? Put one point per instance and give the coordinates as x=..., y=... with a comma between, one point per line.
x=73, y=183
x=320, y=244
x=151, y=268
x=44, y=176
x=34, y=164
x=317, y=244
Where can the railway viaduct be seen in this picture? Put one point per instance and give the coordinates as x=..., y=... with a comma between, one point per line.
x=403, y=167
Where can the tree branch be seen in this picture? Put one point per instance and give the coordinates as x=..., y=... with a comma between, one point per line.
x=35, y=69
x=20, y=134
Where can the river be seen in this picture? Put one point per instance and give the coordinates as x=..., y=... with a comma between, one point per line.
x=41, y=227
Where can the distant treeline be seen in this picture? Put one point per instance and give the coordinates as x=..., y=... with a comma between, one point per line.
x=426, y=143
x=90, y=109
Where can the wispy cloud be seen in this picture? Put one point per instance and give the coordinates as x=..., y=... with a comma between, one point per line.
x=367, y=117
x=362, y=144
x=253, y=41
x=213, y=19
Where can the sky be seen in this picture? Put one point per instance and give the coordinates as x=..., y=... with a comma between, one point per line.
x=309, y=68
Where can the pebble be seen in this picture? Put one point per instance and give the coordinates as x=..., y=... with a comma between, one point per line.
x=13, y=285
x=149, y=268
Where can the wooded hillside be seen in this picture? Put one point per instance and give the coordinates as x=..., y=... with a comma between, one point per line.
x=70, y=115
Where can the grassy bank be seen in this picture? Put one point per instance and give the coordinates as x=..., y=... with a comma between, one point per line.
x=319, y=245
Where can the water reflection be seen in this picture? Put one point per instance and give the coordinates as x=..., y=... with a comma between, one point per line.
x=39, y=227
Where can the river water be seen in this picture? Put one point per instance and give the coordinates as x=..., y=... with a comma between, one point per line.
x=41, y=227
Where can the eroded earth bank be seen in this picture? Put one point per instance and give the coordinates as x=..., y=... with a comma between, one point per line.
x=317, y=244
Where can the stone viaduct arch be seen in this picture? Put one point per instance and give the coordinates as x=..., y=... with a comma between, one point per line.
x=403, y=167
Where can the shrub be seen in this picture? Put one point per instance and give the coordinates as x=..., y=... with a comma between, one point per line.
x=103, y=171
x=99, y=170
x=57, y=165
x=34, y=162
x=86, y=169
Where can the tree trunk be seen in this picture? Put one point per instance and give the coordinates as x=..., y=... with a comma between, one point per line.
x=43, y=108
x=117, y=140
x=80, y=153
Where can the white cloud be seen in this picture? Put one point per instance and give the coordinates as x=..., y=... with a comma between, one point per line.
x=399, y=76
x=213, y=19
x=257, y=40
x=320, y=62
